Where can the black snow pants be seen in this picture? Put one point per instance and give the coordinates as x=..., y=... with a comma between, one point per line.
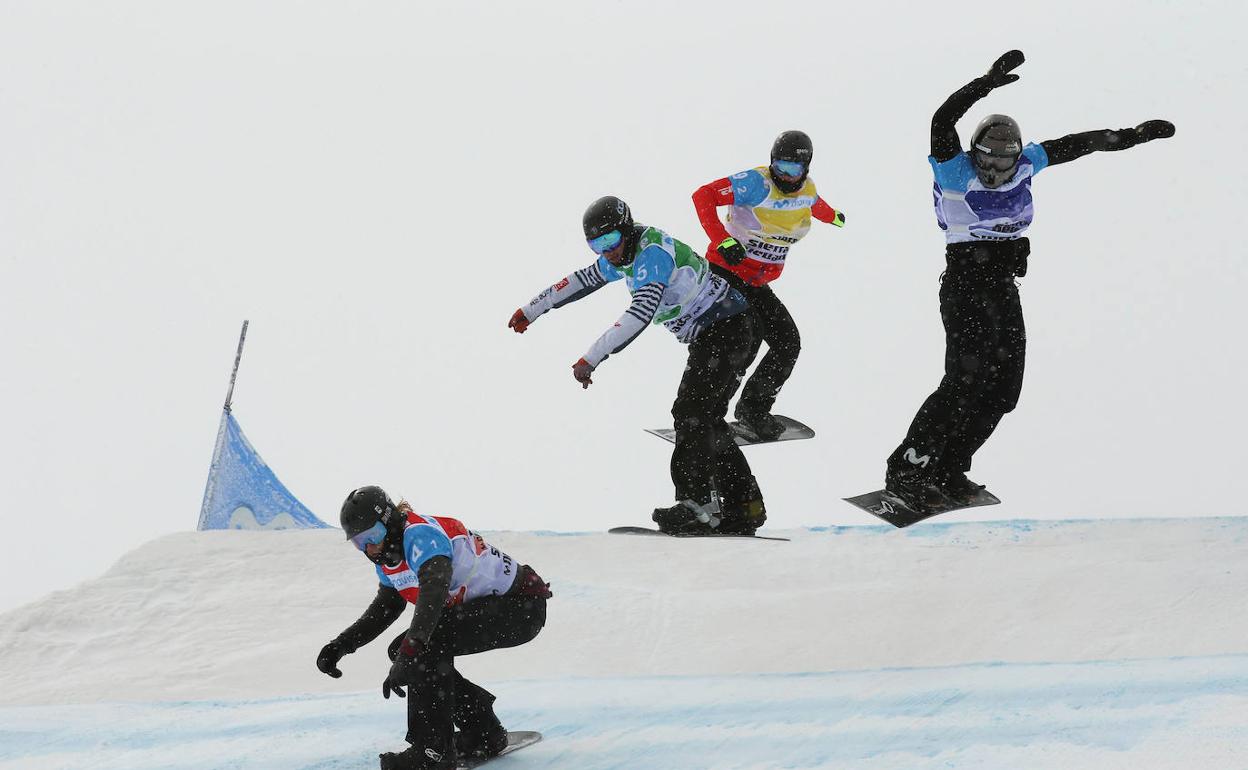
x=706, y=458
x=776, y=327
x=439, y=697
x=985, y=349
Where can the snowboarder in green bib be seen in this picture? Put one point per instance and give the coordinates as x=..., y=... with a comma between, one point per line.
x=671, y=284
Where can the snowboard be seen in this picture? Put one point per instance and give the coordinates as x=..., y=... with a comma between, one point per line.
x=515, y=741
x=890, y=508
x=793, y=431
x=651, y=531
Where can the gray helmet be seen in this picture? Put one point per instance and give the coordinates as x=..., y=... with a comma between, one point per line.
x=997, y=135
x=995, y=148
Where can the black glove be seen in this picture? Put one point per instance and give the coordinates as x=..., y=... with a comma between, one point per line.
x=1155, y=129
x=327, y=661
x=732, y=251
x=999, y=74
x=402, y=671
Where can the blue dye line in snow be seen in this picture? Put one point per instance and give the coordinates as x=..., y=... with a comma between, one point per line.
x=894, y=718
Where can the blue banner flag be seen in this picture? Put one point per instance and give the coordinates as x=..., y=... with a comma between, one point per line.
x=244, y=493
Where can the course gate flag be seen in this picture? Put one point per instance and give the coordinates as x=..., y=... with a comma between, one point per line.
x=242, y=491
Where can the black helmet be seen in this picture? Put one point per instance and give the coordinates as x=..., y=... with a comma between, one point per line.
x=606, y=214
x=364, y=507
x=995, y=147
x=795, y=147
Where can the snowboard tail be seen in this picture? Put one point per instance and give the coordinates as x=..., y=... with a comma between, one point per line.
x=892, y=509
x=743, y=436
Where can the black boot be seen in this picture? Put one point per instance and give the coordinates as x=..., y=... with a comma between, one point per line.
x=959, y=489
x=479, y=743
x=743, y=519
x=916, y=489
x=418, y=758
x=480, y=733
x=761, y=423
x=688, y=518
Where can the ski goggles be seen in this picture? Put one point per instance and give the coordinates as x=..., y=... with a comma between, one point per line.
x=985, y=162
x=371, y=536
x=789, y=167
x=605, y=242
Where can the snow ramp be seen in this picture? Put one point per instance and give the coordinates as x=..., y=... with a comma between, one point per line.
x=989, y=644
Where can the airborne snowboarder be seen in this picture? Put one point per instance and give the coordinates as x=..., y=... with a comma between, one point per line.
x=984, y=206
x=771, y=210
x=673, y=285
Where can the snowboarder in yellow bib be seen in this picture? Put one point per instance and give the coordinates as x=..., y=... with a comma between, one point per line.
x=771, y=210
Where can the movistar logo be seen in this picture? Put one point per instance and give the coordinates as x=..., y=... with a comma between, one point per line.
x=885, y=508
x=913, y=458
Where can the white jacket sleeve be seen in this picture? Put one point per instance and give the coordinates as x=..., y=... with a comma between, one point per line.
x=634, y=321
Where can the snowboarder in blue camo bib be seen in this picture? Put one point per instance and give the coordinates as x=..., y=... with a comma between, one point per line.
x=671, y=284
x=984, y=206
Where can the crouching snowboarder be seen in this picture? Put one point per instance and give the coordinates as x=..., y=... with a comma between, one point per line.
x=470, y=597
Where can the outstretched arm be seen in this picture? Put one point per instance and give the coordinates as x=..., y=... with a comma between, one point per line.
x=945, y=141
x=385, y=608
x=634, y=321
x=580, y=284
x=1073, y=146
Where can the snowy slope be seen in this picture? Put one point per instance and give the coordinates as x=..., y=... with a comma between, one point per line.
x=197, y=615
x=1185, y=714
x=1024, y=644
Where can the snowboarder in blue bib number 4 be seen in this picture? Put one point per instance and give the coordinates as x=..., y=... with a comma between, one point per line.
x=984, y=206
x=673, y=285
x=470, y=597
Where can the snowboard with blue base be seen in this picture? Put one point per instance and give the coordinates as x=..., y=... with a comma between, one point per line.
x=516, y=740
x=892, y=509
x=793, y=431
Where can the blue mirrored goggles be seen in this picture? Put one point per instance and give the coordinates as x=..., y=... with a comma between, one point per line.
x=606, y=242
x=789, y=167
x=371, y=536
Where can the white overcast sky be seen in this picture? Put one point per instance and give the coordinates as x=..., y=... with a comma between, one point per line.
x=377, y=186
